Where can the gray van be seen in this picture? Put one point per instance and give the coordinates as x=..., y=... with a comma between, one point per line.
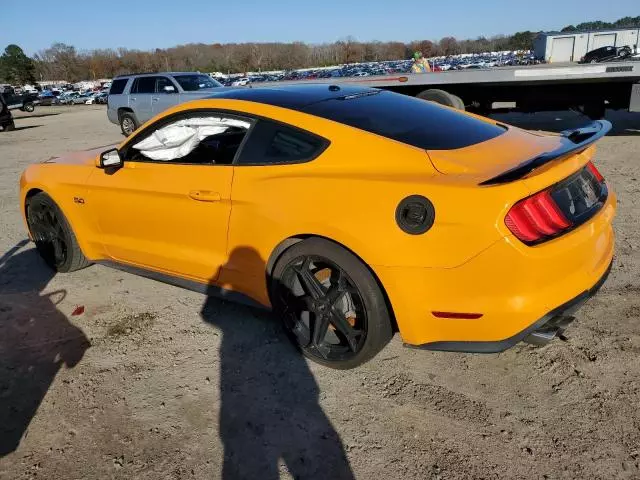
x=134, y=99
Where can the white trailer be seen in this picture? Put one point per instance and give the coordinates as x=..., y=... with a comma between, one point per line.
x=587, y=88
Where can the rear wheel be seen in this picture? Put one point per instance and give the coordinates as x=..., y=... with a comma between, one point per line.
x=54, y=239
x=330, y=304
x=28, y=107
x=128, y=123
x=10, y=126
x=442, y=97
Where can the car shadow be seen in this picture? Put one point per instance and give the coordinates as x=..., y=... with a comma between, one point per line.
x=270, y=416
x=26, y=127
x=36, y=115
x=36, y=341
x=623, y=123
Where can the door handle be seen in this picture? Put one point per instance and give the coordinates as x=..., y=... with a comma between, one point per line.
x=155, y=99
x=205, y=196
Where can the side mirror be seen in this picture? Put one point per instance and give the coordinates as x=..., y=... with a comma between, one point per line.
x=110, y=159
x=169, y=89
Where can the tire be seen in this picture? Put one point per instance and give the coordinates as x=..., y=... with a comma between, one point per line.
x=595, y=110
x=55, y=241
x=128, y=123
x=348, y=308
x=442, y=97
x=28, y=107
x=10, y=126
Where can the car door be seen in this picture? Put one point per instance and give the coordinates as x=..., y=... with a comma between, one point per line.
x=140, y=98
x=167, y=216
x=164, y=96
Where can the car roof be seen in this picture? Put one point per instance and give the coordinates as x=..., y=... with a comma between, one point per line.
x=294, y=97
x=141, y=74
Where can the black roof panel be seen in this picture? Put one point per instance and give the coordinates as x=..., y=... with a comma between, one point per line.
x=294, y=97
x=402, y=118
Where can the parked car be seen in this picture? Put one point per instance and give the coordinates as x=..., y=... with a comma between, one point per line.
x=485, y=234
x=606, y=54
x=92, y=98
x=6, y=119
x=102, y=98
x=241, y=82
x=66, y=97
x=48, y=100
x=81, y=99
x=134, y=99
x=25, y=102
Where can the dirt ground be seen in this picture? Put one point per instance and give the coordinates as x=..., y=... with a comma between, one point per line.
x=108, y=375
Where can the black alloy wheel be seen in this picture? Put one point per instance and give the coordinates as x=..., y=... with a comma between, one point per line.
x=48, y=234
x=55, y=241
x=323, y=309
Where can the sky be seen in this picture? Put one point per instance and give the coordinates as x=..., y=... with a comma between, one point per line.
x=149, y=24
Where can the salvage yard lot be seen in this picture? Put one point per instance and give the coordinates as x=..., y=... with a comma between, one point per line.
x=108, y=375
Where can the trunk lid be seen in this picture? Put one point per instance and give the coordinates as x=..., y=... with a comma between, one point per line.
x=517, y=154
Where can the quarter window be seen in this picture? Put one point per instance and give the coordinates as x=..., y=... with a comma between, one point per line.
x=273, y=143
x=117, y=87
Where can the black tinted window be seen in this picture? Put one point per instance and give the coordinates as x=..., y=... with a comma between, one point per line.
x=274, y=143
x=117, y=87
x=164, y=82
x=192, y=83
x=406, y=119
x=144, y=85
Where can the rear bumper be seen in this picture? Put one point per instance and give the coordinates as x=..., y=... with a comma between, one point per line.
x=538, y=333
x=510, y=288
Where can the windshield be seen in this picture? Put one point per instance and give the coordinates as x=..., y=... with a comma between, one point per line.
x=192, y=83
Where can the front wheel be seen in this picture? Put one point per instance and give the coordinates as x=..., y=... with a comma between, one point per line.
x=52, y=234
x=330, y=304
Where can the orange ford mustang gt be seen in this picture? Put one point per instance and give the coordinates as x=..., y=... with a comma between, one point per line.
x=352, y=212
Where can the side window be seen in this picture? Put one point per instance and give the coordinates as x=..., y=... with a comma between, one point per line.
x=144, y=85
x=272, y=143
x=162, y=82
x=117, y=87
x=204, y=139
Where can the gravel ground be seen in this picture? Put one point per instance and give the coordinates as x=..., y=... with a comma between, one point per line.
x=108, y=375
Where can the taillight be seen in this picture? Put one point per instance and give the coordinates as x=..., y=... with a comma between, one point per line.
x=558, y=208
x=598, y=176
x=536, y=217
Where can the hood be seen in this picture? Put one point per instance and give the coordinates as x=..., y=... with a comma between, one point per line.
x=495, y=156
x=81, y=157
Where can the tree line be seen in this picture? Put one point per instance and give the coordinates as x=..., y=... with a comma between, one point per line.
x=65, y=62
x=625, y=22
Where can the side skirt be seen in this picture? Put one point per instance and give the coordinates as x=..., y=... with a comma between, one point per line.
x=204, y=288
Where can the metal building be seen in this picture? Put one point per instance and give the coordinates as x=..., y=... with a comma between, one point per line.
x=572, y=46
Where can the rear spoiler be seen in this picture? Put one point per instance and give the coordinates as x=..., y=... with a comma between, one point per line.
x=577, y=140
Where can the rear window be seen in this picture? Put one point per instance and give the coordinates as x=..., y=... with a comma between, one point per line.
x=117, y=87
x=406, y=119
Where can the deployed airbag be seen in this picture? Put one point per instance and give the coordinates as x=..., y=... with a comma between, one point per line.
x=179, y=139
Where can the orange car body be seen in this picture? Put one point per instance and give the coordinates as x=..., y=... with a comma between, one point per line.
x=145, y=216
